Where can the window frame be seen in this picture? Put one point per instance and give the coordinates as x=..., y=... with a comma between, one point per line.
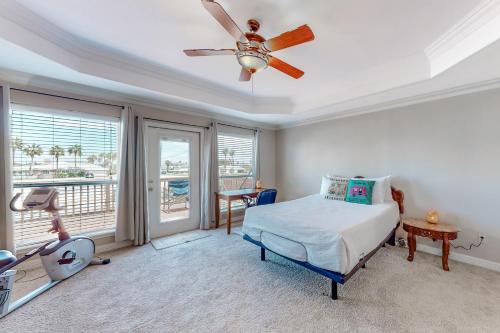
x=236, y=132
x=91, y=116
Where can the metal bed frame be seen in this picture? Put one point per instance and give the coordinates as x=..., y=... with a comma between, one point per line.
x=336, y=277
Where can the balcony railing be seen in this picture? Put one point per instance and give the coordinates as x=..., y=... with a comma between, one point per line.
x=86, y=206
x=234, y=182
x=89, y=206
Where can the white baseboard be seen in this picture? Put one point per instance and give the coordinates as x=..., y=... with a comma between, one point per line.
x=238, y=218
x=112, y=246
x=494, y=266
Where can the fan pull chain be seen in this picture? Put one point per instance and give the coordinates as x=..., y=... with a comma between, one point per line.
x=252, y=85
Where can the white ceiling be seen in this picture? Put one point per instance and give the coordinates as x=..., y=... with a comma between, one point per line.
x=361, y=48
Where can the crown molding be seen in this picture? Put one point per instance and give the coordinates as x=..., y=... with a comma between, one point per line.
x=179, y=92
x=397, y=103
x=87, y=56
x=53, y=86
x=472, y=33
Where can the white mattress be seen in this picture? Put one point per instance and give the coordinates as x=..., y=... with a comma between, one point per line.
x=330, y=234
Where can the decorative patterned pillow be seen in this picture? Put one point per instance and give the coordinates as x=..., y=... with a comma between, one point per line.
x=360, y=191
x=337, y=188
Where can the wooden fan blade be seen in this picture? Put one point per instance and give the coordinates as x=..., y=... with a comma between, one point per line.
x=284, y=67
x=224, y=19
x=245, y=75
x=300, y=35
x=209, y=52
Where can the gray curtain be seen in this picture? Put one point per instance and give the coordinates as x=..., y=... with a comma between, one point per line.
x=132, y=215
x=206, y=179
x=257, y=154
x=210, y=180
x=6, y=218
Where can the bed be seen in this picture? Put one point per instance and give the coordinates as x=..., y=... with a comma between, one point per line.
x=333, y=238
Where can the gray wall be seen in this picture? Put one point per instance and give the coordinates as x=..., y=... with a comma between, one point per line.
x=443, y=154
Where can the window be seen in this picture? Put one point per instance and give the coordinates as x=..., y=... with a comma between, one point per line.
x=236, y=159
x=74, y=152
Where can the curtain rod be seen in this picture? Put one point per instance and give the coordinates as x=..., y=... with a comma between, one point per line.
x=65, y=97
x=242, y=127
x=176, y=123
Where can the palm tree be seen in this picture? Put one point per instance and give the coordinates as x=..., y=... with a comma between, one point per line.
x=16, y=144
x=56, y=151
x=106, y=161
x=231, y=155
x=75, y=150
x=92, y=158
x=168, y=163
x=225, y=152
x=32, y=151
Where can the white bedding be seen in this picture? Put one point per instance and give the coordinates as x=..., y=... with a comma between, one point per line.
x=330, y=234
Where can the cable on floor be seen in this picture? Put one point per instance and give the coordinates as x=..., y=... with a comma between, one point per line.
x=470, y=246
x=21, y=279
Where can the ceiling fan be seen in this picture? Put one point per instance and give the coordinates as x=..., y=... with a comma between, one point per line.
x=252, y=50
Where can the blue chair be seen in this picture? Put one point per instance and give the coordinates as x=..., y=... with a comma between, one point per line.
x=265, y=197
x=178, y=192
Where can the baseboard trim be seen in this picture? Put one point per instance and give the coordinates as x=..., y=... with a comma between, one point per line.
x=494, y=266
x=112, y=246
x=234, y=219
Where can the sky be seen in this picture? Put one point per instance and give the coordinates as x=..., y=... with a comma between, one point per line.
x=174, y=151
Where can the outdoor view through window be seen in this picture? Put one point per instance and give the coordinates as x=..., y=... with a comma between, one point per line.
x=73, y=152
x=236, y=163
x=174, y=179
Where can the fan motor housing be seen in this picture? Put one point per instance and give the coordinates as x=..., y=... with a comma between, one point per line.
x=251, y=60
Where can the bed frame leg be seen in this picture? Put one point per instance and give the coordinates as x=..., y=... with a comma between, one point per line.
x=392, y=239
x=262, y=254
x=334, y=294
x=364, y=266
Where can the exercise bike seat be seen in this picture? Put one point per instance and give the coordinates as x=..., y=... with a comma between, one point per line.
x=6, y=257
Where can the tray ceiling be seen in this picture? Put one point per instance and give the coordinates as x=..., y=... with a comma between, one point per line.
x=134, y=47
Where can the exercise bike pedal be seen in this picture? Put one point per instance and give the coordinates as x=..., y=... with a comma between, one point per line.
x=100, y=261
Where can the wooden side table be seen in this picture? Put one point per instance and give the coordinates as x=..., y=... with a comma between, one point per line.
x=442, y=231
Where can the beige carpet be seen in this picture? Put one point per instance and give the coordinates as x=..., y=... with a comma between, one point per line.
x=219, y=284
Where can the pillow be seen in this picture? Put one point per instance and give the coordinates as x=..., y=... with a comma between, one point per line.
x=360, y=191
x=382, y=190
x=338, y=188
x=325, y=184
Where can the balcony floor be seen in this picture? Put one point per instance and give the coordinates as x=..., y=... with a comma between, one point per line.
x=176, y=212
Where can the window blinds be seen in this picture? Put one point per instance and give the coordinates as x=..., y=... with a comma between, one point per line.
x=74, y=152
x=236, y=154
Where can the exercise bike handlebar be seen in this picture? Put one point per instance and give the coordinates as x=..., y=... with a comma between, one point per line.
x=13, y=204
x=49, y=206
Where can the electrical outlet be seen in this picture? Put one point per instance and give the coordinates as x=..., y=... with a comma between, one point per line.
x=401, y=242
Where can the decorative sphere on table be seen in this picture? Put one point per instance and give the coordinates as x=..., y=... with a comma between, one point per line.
x=432, y=216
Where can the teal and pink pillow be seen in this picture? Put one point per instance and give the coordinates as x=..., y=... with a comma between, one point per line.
x=360, y=191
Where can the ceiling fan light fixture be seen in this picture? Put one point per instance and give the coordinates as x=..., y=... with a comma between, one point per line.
x=252, y=61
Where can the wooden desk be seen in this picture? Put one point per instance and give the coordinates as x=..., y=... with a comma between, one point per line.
x=230, y=196
x=443, y=231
